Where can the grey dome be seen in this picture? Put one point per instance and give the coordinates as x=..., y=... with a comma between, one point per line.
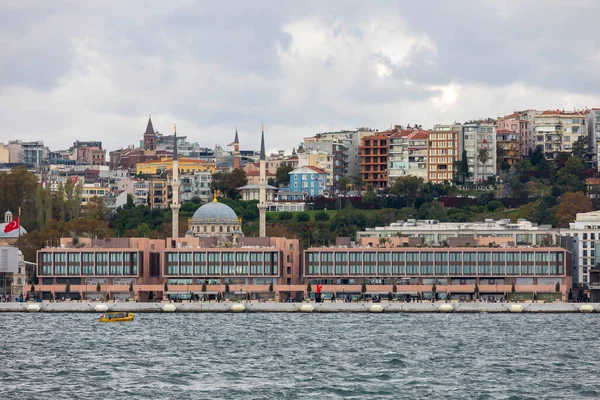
x=214, y=212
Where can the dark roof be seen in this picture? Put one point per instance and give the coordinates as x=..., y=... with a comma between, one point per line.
x=149, y=128
x=262, y=146
x=236, y=140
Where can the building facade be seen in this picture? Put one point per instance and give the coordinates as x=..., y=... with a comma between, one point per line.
x=478, y=139
x=374, y=159
x=442, y=154
x=556, y=130
x=307, y=181
x=508, y=147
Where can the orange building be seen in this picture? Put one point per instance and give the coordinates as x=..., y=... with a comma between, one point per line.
x=373, y=152
x=442, y=152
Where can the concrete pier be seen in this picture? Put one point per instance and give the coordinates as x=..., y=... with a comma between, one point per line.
x=196, y=307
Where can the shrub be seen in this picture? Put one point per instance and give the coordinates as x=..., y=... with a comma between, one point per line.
x=322, y=216
x=285, y=215
x=303, y=217
x=494, y=205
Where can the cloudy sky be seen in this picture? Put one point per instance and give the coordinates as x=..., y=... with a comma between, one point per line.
x=95, y=70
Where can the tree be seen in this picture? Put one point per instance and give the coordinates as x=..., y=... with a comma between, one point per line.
x=32, y=290
x=476, y=290
x=464, y=173
x=228, y=182
x=303, y=217
x=363, y=289
x=308, y=288
x=68, y=288
x=358, y=182
x=48, y=204
x=580, y=147
x=343, y=184
x=60, y=202
x=166, y=287
x=557, y=287
x=226, y=287
x=394, y=288
x=322, y=216
x=408, y=187
x=270, y=286
x=96, y=209
x=571, y=204
x=434, y=290
x=370, y=197
x=204, y=287
x=570, y=298
x=282, y=175
x=39, y=207
x=512, y=288
x=98, y=287
x=537, y=156
x=131, y=287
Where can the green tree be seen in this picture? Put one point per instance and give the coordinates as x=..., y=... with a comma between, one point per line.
x=166, y=287
x=557, y=287
x=363, y=289
x=464, y=173
x=476, y=290
x=409, y=188
x=228, y=182
x=270, y=286
x=282, y=174
x=322, y=216
x=60, y=202
x=39, y=207
x=68, y=288
x=48, y=203
x=512, y=288
x=358, y=182
x=434, y=291
x=303, y=217
x=204, y=287
x=394, y=288
x=131, y=287
x=343, y=184
x=580, y=147
x=226, y=287
x=98, y=287
x=370, y=197
x=285, y=215
x=308, y=288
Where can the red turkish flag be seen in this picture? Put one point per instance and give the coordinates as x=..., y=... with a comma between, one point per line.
x=12, y=225
x=319, y=287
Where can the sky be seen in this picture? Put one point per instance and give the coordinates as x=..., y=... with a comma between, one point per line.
x=78, y=70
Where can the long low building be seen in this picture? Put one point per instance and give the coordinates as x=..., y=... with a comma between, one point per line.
x=457, y=272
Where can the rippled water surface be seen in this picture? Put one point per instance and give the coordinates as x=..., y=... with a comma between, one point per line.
x=287, y=356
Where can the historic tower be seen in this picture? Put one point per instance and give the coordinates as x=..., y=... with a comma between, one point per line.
x=150, y=137
x=175, y=206
x=262, y=186
x=236, y=150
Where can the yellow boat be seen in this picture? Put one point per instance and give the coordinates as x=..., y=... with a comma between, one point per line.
x=116, y=317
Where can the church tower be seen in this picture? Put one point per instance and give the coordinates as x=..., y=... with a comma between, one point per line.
x=175, y=206
x=150, y=137
x=236, y=150
x=262, y=188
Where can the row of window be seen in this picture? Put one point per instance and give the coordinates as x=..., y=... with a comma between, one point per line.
x=76, y=270
x=415, y=269
x=89, y=257
x=386, y=256
x=216, y=257
x=228, y=269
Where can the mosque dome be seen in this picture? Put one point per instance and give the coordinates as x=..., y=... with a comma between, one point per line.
x=214, y=212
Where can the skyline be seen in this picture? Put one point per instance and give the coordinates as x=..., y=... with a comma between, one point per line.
x=95, y=72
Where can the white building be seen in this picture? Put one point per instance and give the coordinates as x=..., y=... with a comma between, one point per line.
x=479, y=138
x=585, y=231
x=435, y=233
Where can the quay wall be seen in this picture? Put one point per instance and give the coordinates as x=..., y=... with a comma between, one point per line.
x=195, y=307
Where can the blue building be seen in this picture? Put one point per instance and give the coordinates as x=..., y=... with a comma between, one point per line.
x=305, y=182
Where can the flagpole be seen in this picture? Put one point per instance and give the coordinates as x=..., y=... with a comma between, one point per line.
x=19, y=237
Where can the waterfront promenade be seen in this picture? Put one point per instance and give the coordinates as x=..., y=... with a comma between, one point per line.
x=214, y=307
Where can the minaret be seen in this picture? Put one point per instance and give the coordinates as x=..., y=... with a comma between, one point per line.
x=262, y=186
x=175, y=206
x=236, y=150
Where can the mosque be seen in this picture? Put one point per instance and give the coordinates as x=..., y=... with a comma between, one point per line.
x=216, y=219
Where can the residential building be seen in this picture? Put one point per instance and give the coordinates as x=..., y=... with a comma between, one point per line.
x=585, y=231
x=158, y=193
x=594, y=134
x=336, y=148
x=374, y=159
x=186, y=166
x=442, y=154
x=435, y=233
x=398, y=155
x=306, y=182
x=418, y=153
x=478, y=138
x=508, y=147
x=31, y=153
x=556, y=130
x=252, y=192
x=195, y=184
x=91, y=190
x=4, y=154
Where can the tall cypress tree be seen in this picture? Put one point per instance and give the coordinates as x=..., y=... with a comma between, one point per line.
x=39, y=207
x=48, y=203
x=464, y=166
x=60, y=201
